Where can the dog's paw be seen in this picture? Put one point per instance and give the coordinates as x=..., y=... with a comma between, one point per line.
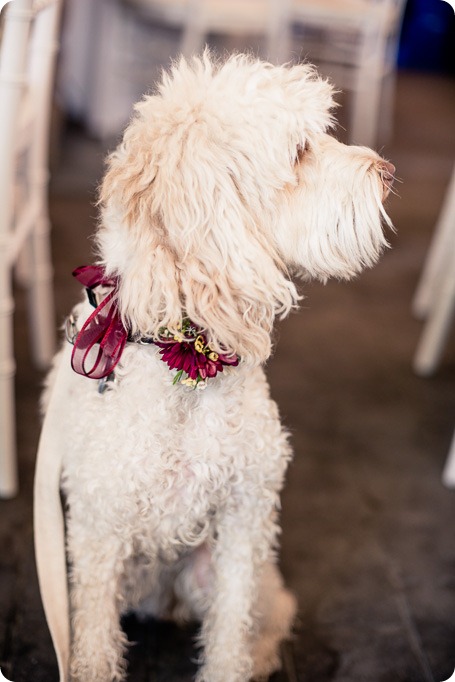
x=275, y=629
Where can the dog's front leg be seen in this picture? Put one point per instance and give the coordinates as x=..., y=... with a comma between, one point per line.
x=98, y=642
x=228, y=626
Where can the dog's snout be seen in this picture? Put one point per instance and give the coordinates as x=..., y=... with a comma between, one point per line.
x=387, y=171
x=388, y=168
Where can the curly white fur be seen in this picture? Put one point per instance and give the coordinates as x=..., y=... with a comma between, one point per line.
x=225, y=183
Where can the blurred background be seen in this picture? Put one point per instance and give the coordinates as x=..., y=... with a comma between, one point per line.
x=364, y=374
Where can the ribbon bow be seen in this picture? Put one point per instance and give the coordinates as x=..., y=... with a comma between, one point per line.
x=104, y=328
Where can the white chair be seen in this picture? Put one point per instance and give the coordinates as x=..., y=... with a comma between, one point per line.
x=27, y=57
x=356, y=43
x=434, y=301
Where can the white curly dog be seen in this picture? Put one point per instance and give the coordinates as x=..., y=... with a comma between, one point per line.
x=225, y=186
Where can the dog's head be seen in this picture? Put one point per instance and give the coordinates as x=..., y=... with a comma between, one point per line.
x=225, y=184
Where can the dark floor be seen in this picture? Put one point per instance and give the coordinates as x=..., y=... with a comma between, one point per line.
x=368, y=541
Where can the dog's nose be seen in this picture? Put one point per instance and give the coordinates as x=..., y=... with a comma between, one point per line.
x=387, y=171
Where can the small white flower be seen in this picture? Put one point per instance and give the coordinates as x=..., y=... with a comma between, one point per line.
x=189, y=382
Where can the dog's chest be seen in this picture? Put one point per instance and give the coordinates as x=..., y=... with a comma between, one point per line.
x=178, y=486
x=156, y=463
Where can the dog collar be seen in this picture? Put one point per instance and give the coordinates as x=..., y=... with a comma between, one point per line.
x=103, y=337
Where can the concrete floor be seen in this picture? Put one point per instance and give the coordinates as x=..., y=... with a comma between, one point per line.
x=368, y=543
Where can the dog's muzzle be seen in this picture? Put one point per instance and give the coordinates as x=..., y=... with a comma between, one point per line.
x=387, y=172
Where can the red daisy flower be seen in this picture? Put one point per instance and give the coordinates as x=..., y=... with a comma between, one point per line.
x=191, y=355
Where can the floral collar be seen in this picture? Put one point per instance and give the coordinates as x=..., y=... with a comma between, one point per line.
x=189, y=353
x=102, y=339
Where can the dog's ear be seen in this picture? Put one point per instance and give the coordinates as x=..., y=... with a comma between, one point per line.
x=131, y=239
x=189, y=199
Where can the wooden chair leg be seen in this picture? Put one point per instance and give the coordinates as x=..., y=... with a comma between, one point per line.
x=367, y=88
x=8, y=466
x=387, y=107
x=442, y=245
x=192, y=39
x=448, y=476
x=438, y=325
x=40, y=294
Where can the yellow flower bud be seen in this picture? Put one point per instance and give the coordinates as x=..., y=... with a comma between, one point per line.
x=199, y=344
x=213, y=356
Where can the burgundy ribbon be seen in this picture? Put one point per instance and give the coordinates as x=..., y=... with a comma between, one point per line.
x=104, y=328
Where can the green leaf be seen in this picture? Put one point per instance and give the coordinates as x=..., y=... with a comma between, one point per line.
x=177, y=377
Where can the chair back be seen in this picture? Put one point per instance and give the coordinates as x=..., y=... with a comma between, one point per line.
x=28, y=46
